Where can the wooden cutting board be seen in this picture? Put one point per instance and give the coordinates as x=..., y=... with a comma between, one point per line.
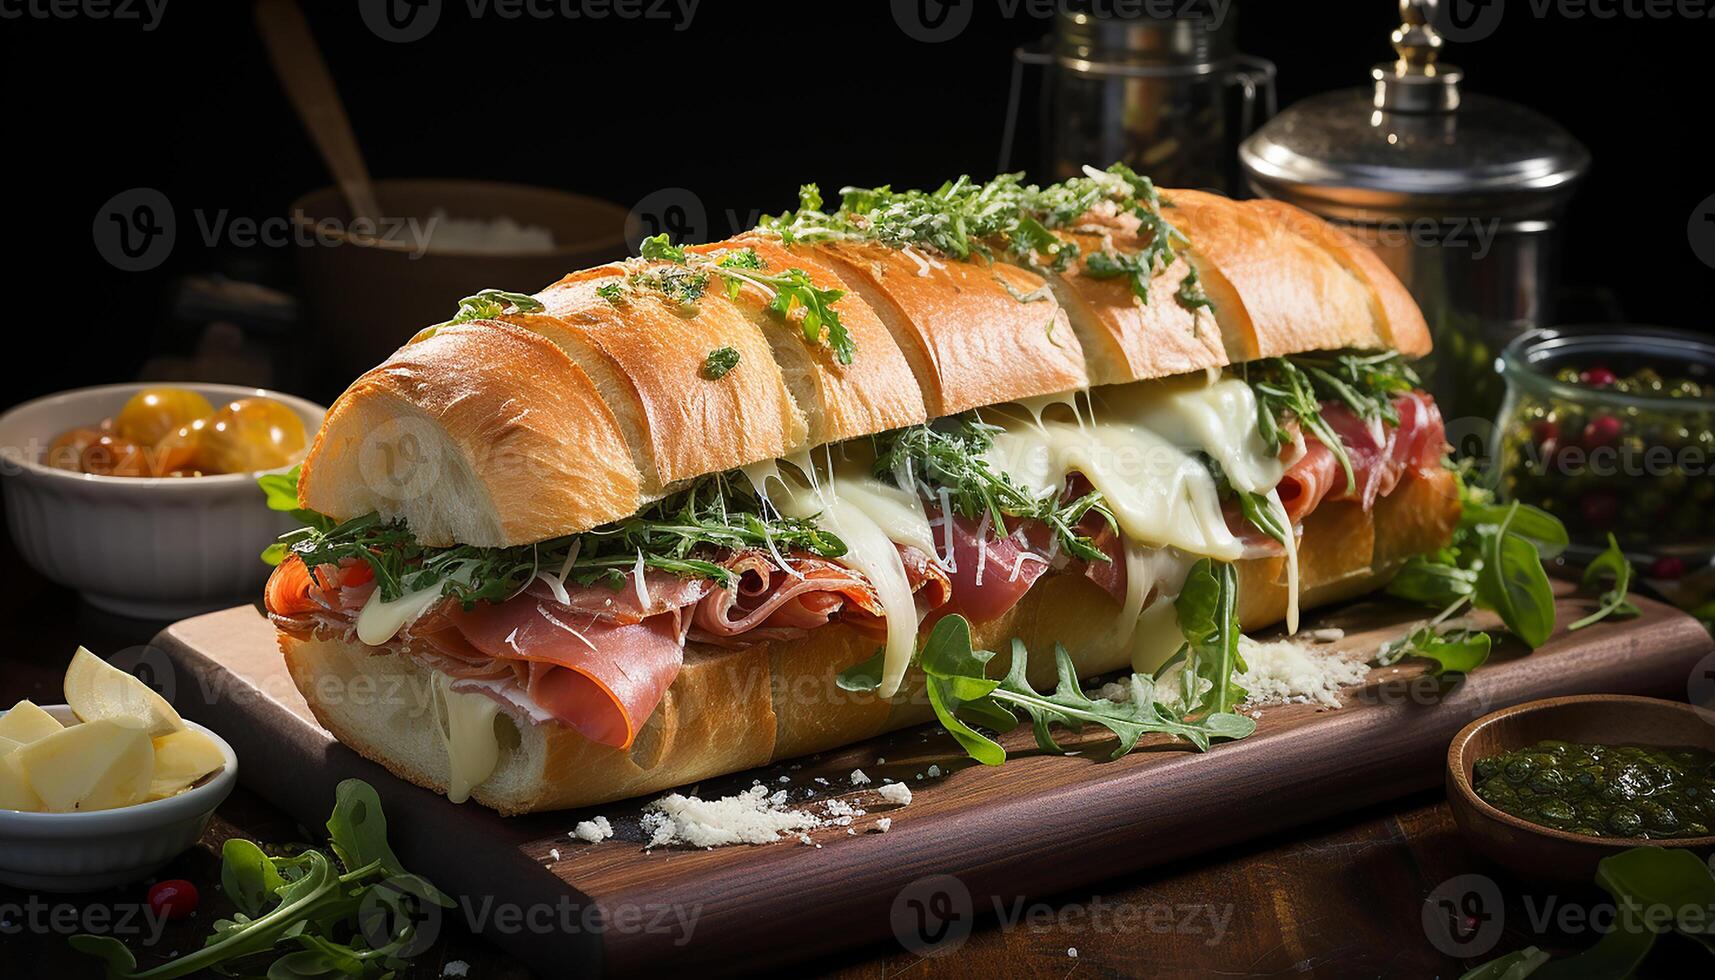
x=1037, y=825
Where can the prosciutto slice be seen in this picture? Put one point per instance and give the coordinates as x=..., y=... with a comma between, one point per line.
x=1380, y=455
x=767, y=602
x=600, y=676
x=991, y=571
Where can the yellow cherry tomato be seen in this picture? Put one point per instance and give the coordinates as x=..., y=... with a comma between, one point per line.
x=251, y=434
x=114, y=456
x=181, y=449
x=155, y=413
x=66, y=451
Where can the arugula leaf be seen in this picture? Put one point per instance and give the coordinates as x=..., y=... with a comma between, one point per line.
x=1610, y=564
x=1538, y=526
x=1511, y=581
x=1459, y=651
x=863, y=676
x=1434, y=583
x=1208, y=613
x=674, y=534
x=660, y=248
x=957, y=683
x=952, y=456
x=487, y=304
x=1285, y=392
x=302, y=901
x=720, y=361
x=1262, y=514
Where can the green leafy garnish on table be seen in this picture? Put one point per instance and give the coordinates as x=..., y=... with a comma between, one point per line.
x=964, y=697
x=1494, y=562
x=1208, y=614
x=306, y=915
x=1655, y=891
x=1610, y=565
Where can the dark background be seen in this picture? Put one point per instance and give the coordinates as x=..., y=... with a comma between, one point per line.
x=754, y=98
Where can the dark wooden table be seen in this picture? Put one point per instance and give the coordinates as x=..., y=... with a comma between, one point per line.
x=1345, y=897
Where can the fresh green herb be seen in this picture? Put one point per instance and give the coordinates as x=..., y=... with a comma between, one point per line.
x=1260, y=511
x=1610, y=565
x=1454, y=651
x=964, y=219
x=964, y=697
x=1208, y=614
x=302, y=916
x=1654, y=890
x=1191, y=294
x=673, y=534
x=951, y=456
x=1289, y=388
x=1494, y=561
x=687, y=276
x=613, y=292
x=719, y=362
x=489, y=303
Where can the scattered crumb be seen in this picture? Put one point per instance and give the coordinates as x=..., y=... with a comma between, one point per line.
x=896, y=793
x=881, y=762
x=591, y=831
x=1328, y=634
x=554, y=853
x=934, y=771
x=859, y=778
x=821, y=780
x=883, y=825
x=751, y=817
x=1113, y=691
x=1072, y=951
x=1285, y=672
x=455, y=968
x=785, y=779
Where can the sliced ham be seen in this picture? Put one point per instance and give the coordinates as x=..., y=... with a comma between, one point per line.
x=600, y=677
x=1308, y=481
x=768, y=602
x=992, y=571
x=1381, y=454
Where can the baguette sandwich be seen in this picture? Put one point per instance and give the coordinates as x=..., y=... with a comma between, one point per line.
x=694, y=512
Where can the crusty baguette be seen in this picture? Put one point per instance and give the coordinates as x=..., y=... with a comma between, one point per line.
x=934, y=336
x=730, y=710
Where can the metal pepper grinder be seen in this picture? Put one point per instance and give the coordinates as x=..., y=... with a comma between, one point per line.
x=1459, y=193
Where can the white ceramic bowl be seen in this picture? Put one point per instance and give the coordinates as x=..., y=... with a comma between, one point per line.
x=76, y=852
x=154, y=548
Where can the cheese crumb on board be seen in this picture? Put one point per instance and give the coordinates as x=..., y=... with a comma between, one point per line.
x=859, y=778
x=883, y=825
x=934, y=771
x=1285, y=672
x=591, y=831
x=554, y=853
x=455, y=968
x=751, y=817
x=895, y=793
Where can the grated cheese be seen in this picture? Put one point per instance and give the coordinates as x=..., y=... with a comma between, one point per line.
x=895, y=793
x=1285, y=672
x=592, y=831
x=751, y=817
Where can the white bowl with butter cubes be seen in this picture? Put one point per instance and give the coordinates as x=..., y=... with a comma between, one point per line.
x=106, y=788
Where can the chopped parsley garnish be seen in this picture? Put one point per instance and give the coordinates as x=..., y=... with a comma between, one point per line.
x=719, y=362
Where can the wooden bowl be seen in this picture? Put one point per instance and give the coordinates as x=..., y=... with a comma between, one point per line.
x=367, y=297
x=1536, y=852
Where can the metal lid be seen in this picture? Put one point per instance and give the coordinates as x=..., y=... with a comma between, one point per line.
x=1414, y=145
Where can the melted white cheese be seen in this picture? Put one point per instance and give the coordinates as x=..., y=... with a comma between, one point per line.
x=1159, y=494
x=1291, y=546
x=1220, y=419
x=467, y=727
x=1152, y=635
x=380, y=621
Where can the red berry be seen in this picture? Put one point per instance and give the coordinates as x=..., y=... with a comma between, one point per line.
x=173, y=899
x=1544, y=432
x=1603, y=430
x=1598, y=377
x=1599, y=507
x=1667, y=566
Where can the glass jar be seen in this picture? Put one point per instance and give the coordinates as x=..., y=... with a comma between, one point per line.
x=1612, y=430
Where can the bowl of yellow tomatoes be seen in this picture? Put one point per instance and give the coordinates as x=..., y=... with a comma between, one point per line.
x=143, y=496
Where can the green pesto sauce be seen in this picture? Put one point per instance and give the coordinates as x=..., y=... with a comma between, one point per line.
x=1604, y=790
